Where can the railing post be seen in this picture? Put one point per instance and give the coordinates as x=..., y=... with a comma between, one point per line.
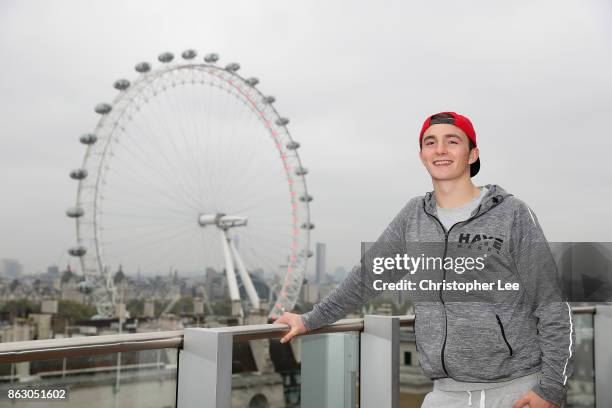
x=602, y=333
x=205, y=369
x=379, y=363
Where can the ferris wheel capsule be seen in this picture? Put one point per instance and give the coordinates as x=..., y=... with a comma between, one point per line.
x=232, y=67
x=293, y=145
x=165, y=57
x=301, y=171
x=268, y=100
x=121, y=84
x=142, y=67
x=306, y=198
x=78, y=174
x=306, y=254
x=189, y=54
x=252, y=81
x=211, y=58
x=85, y=286
x=88, y=138
x=75, y=212
x=103, y=108
x=78, y=250
x=282, y=121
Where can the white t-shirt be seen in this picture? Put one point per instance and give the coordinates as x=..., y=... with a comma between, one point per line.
x=451, y=216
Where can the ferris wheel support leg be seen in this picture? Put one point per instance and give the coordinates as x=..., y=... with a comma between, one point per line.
x=231, y=276
x=246, y=279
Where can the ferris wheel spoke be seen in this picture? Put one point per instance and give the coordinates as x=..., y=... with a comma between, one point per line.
x=182, y=127
x=137, y=205
x=255, y=258
x=250, y=199
x=211, y=248
x=146, y=176
x=197, y=153
x=133, y=237
x=202, y=111
x=213, y=134
x=160, y=190
x=145, y=156
x=174, y=249
x=208, y=162
x=269, y=246
x=225, y=140
x=132, y=243
x=271, y=240
x=244, y=151
x=141, y=225
x=126, y=210
x=251, y=187
x=232, y=121
x=170, y=185
x=162, y=132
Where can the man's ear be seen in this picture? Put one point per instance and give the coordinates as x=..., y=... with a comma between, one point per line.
x=474, y=153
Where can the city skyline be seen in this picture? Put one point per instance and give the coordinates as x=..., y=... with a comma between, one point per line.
x=356, y=96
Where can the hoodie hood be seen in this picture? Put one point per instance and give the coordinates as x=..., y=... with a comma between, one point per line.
x=494, y=196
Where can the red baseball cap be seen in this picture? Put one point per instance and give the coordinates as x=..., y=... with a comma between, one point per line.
x=463, y=123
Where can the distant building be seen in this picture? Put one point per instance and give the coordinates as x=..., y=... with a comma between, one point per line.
x=70, y=289
x=53, y=271
x=259, y=272
x=340, y=274
x=321, y=249
x=10, y=268
x=149, y=309
x=310, y=292
x=216, y=285
x=49, y=306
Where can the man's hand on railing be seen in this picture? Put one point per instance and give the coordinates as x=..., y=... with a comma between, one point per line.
x=295, y=323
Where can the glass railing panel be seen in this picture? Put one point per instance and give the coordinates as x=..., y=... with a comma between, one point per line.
x=129, y=379
x=413, y=384
x=581, y=385
x=318, y=370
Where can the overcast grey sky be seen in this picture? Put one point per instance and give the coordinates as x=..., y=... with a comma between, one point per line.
x=356, y=79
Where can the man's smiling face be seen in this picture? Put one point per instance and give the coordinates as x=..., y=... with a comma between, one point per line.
x=445, y=152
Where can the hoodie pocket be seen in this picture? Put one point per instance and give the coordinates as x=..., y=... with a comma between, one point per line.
x=503, y=333
x=475, y=349
x=429, y=334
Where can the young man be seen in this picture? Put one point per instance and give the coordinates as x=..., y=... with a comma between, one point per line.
x=511, y=344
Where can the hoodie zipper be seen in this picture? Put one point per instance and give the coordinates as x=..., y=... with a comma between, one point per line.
x=446, y=233
x=501, y=326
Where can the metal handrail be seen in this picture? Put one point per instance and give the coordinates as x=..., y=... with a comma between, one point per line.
x=19, y=351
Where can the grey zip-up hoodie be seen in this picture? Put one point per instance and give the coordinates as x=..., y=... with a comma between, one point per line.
x=480, y=336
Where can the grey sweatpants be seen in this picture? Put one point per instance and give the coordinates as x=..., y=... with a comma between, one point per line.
x=503, y=395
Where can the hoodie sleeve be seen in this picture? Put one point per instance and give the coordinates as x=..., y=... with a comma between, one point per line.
x=538, y=272
x=357, y=288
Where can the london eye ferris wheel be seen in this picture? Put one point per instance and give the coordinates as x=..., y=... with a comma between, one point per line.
x=191, y=166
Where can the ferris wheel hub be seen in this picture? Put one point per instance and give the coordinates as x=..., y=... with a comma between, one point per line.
x=222, y=221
